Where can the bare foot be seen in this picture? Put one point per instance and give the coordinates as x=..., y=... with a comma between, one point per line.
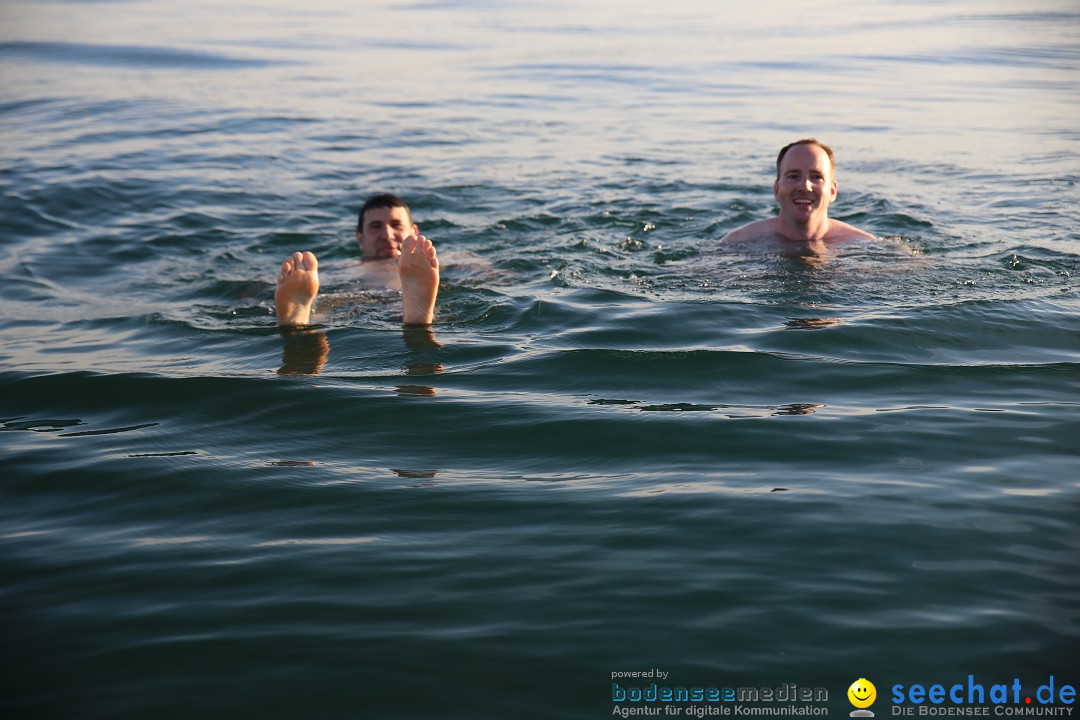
x=419, y=269
x=297, y=285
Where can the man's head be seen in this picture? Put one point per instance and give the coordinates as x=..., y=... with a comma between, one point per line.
x=805, y=182
x=382, y=225
x=806, y=141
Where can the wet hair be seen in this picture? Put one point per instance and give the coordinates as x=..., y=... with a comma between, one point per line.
x=380, y=200
x=805, y=141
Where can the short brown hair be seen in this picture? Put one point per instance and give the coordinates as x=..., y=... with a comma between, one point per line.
x=381, y=200
x=805, y=141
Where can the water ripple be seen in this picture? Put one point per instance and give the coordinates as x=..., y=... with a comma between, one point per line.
x=127, y=56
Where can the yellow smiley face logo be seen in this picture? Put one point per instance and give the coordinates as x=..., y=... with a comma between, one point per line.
x=862, y=693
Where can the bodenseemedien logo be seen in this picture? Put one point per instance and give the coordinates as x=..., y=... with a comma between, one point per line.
x=862, y=694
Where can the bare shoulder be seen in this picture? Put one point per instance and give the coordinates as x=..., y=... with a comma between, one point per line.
x=464, y=258
x=840, y=230
x=750, y=232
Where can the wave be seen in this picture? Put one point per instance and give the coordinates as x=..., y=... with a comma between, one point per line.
x=128, y=56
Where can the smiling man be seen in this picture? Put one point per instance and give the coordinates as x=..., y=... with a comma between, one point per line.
x=805, y=187
x=386, y=234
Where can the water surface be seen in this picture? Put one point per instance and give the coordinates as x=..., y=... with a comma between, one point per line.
x=623, y=447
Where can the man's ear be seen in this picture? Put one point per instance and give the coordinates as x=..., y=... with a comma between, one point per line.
x=359, y=240
x=776, y=189
x=416, y=231
x=834, y=187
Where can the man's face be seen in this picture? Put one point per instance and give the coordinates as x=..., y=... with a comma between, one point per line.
x=806, y=187
x=383, y=231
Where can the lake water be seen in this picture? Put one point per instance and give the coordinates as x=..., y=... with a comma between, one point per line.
x=622, y=448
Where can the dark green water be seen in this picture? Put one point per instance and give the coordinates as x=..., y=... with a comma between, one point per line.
x=623, y=447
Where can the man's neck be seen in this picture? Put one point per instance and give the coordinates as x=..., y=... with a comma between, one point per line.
x=810, y=233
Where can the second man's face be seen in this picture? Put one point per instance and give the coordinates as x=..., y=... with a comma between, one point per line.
x=383, y=232
x=806, y=187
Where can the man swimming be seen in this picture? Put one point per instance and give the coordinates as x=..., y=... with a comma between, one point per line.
x=384, y=232
x=805, y=187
